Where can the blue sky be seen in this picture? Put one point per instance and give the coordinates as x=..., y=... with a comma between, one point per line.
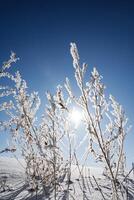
x=40, y=33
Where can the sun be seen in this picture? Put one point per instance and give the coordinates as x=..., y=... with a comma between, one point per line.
x=75, y=116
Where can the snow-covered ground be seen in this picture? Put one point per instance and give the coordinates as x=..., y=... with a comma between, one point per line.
x=12, y=176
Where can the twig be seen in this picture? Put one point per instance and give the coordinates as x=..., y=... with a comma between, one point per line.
x=128, y=174
x=82, y=189
x=99, y=187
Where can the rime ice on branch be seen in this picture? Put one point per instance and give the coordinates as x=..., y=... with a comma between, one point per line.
x=43, y=144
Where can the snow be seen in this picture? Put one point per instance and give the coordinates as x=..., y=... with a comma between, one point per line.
x=12, y=171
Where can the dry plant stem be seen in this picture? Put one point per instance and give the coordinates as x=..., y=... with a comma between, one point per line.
x=89, y=178
x=101, y=135
x=97, y=133
x=128, y=174
x=77, y=163
x=88, y=186
x=100, y=144
x=54, y=145
x=107, y=162
x=120, y=156
x=18, y=161
x=70, y=163
x=54, y=160
x=99, y=188
x=122, y=191
x=84, y=187
x=30, y=124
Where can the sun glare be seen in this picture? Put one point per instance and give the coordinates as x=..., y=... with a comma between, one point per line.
x=75, y=116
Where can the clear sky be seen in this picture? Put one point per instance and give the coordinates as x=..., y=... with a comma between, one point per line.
x=40, y=31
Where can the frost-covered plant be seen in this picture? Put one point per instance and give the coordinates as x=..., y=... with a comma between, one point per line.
x=38, y=144
x=51, y=132
x=104, y=120
x=48, y=147
x=20, y=109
